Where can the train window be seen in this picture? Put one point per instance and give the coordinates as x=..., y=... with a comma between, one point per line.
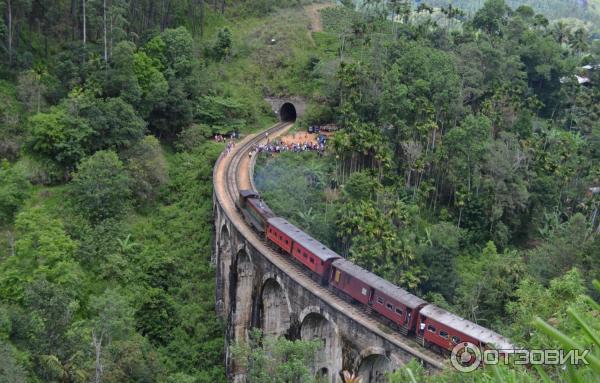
x=431, y=328
x=364, y=291
x=444, y=334
x=380, y=300
x=321, y=263
x=312, y=260
x=337, y=276
x=389, y=306
x=399, y=311
x=286, y=241
x=304, y=254
x=455, y=340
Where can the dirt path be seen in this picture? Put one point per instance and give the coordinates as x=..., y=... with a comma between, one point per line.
x=312, y=11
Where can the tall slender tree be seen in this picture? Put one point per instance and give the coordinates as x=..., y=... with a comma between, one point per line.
x=104, y=23
x=84, y=23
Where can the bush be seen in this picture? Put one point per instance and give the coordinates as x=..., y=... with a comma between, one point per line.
x=13, y=192
x=101, y=187
x=192, y=137
x=148, y=168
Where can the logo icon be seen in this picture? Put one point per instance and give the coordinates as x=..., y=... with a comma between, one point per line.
x=466, y=357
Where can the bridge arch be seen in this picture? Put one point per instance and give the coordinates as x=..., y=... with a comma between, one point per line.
x=374, y=364
x=316, y=324
x=287, y=112
x=224, y=263
x=243, y=278
x=275, y=308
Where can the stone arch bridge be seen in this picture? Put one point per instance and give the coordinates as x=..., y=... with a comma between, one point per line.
x=258, y=287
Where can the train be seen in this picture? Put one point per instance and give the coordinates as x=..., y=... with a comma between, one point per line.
x=430, y=325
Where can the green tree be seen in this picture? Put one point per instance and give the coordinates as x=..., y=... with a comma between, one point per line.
x=60, y=137
x=535, y=300
x=464, y=151
x=277, y=359
x=438, y=255
x=115, y=123
x=56, y=344
x=223, y=43
x=120, y=78
x=11, y=114
x=178, y=50
x=101, y=187
x=579, y=41
x=147, y=166
x=152, y=82
x=492, y=16
x=11, y=370
x=42, y=249
x=488, y=283
x=14, y=190
x=113, y=322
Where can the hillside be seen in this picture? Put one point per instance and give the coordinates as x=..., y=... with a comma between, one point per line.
x=105, y=181
x=464, y=172
x=587, y=10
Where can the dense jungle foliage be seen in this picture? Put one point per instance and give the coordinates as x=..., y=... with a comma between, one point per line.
x=465, y=169
x=106, y=115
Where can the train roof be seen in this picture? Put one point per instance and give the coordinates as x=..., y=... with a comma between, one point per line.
x=467, y=327
x=410, y=300
x=306, y=241
x=248, y=193
x=261, y=206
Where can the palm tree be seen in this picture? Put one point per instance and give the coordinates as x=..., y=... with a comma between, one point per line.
x=351, y=377
x=69, y=371
x=561, y=32
x=592, y=342
x=452, y=13
x=579, y=41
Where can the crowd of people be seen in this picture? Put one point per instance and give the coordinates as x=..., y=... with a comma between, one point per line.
x=279, y=146
x=295, y=147
x=230, y=141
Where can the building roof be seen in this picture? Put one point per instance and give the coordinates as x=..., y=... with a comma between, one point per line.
x=467, y=327
x=306, y=241
x=410, y=300
x=591, y=67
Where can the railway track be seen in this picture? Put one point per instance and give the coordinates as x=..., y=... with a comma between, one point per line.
x=227, y=176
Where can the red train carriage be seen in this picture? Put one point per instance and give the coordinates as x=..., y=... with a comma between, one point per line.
x=391, y=301
x=396, y=304
x=254, y=210
x=346, y=277
x=445, y=330
x=310, y=252
x=277, y=232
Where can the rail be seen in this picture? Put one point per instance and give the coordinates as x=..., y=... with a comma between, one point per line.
x=225, y=177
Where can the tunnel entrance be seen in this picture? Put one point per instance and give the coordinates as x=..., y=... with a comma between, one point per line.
x=287, y=113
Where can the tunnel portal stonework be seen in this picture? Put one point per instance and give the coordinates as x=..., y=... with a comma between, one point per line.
x=251, y=292
x=281, y=107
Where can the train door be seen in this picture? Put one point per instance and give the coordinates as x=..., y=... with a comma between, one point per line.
x=421, y=324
